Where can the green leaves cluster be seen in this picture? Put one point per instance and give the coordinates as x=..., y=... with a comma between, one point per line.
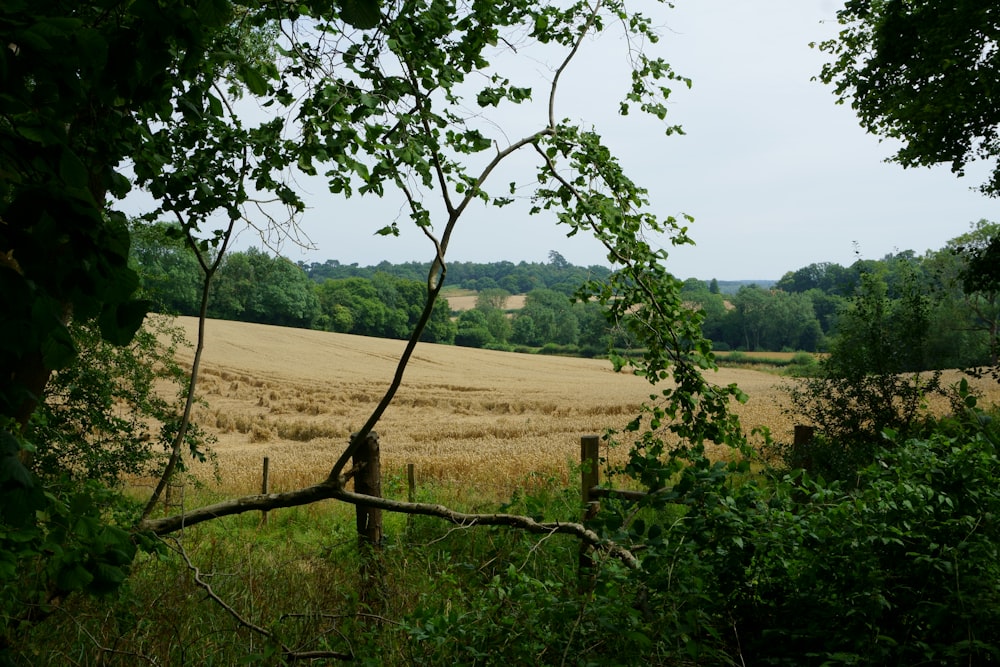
x=925, y=73
x=384, y=306
x=900, y=567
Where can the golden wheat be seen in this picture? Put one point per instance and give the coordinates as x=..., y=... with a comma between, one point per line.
x=469, y=417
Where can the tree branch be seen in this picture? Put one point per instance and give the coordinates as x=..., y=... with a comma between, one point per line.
x=566, y=61
x=328, y=490
x=286, y=652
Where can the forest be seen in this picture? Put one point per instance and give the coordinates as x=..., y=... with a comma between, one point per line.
x=867, y=534
x=798, y=312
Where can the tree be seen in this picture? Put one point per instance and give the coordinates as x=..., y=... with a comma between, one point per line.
x=351, y=305
x=924, y=73
x=473, y=329
x=557, y=260
x=253, y=287
x=751, y=309
x=86, y=88
x=169, y=273
x=492, y=298
x=871, y=381
x=376, y=110
x=78, y=81
x=967, y=271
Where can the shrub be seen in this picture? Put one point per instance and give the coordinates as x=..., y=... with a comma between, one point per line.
x=557, y=349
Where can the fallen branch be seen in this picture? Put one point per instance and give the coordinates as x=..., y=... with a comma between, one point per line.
x=328, y=490
x=286, y=652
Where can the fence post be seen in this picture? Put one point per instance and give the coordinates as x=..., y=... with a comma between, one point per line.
x=411, y=484
x=801, y=454
x=264, y=485
x=368, y=481
x=590, y=474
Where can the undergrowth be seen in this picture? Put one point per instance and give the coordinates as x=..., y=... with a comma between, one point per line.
x=739, y=565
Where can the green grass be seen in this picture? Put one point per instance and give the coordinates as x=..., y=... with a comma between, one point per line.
x=298, y=578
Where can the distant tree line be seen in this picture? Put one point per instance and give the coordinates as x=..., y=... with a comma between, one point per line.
x=383, y=301
x=805, y=310
x=557, y=274
x=939, y=294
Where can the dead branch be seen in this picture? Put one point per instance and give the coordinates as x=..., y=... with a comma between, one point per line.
x=328, y=490
x=286, y=652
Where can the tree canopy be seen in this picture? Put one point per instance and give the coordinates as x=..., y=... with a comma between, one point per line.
x=926, y=73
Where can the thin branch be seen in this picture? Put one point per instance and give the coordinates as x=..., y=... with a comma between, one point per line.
x=435, y=154
x=209, y=270
x=435, y=281
x=651, y=300
x=286, y=652
x=565, y=63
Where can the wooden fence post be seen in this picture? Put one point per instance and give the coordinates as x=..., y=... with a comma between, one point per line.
x=264, y=485
x=801, y=442
x=411, y=484
x=368, y=481
x=590, y=477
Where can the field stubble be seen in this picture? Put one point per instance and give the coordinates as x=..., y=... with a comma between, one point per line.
x=477, y=418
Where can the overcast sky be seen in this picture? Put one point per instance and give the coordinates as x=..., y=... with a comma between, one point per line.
x=775, y=174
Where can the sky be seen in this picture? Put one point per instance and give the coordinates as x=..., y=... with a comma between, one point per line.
x=775, y=174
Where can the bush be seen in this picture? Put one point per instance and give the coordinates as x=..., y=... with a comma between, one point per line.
x=902, y=569
x=851, y=413
x=114, y=411
x=557, y=349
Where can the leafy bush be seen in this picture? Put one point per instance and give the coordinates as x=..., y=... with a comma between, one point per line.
x=902, y=569
x=64, y=524
x=104, y=417
x=557, y=349
x=804, y=362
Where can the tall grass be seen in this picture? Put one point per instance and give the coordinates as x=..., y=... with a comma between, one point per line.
x=297, y=577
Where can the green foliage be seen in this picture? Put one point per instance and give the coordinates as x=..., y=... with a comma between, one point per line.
x=78, y=82
x=968, y=265
x=870, y=381
x=57, y=540
x=254, y=287
x=103, y=419
x=492, y=298
x=518, y=278
x=924, y=73
x=385, y=306
x=553, y=319
x=169, y=273
x=775, y=320
x=473, y=329
x=110, y=414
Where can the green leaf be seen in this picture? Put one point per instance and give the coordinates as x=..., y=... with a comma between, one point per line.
x=120, y=322
x=71, y=170
x=73, y=577
x=362, y=14
x=58, y=350
x=255, y=82
x=11, y=468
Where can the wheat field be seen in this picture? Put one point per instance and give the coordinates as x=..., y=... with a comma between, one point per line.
x=474, y=417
